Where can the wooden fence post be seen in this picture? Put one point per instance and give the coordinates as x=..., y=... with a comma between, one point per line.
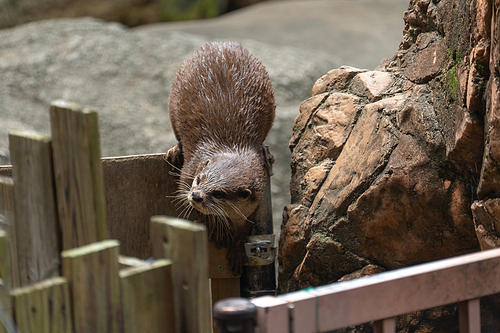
x=385, y=326
x=44, y=307
x=147, y=298
x=469, y=316
x=35, y=207
x=5, y=273
x=92, y=271
x=7, y=215
x=189, y=251
x=79, y=177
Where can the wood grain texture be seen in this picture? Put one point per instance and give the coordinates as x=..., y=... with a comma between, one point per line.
x=224, y=288
x=147, y=298
x=92, y=271
x=35, y=207
x=8, y=223
x=189, y=250
x=44, y=307
x=6, y=285
x=161, y=248
x=78, y=173
x=137, y=187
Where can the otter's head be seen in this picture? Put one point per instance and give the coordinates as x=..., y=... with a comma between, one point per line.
x=229, y=185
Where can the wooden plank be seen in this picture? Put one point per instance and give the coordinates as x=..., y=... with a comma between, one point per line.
x=393, y=293
x=469, y=316
x=78, y=173
x=92, y=271
x=385, y=326
x=161, y=248
x=137, y=187
x=224, y=288
x=273, y=315
x=147, y=298
x=223, y=283
x=6, y=285
x=44, y=307
x=160, y=243
x=35, y=207
x=127, y=262
x=7, y=217
x=189, y=250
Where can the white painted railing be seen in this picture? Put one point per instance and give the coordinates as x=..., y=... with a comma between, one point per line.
x=381, y=297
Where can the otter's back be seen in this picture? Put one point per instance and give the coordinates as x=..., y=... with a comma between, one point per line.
x=221, y=95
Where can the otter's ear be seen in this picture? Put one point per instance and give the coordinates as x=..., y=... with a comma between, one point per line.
x=244, y=193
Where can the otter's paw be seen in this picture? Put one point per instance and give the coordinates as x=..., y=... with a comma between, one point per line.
x=174, y=156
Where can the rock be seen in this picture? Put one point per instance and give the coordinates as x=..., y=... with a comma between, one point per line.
x=335, y=260
x=306, y=109
x=365, y=271
x=365, y=154
x=313, y=180
x=295, y=229
x=335, y=79
x=468, y=146
x=371, y=84
x=425, y=59
x=385, y=193
x=332, y=123
x=489, y=183
x=487, y=222
x=418, y=177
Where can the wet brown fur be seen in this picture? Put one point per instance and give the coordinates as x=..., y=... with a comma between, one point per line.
x=221, y=108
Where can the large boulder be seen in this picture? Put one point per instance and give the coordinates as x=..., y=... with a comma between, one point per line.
x=386, y=164
x=371, y=183
x=400, y=165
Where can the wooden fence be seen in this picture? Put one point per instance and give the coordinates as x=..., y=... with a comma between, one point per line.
x=77, y=232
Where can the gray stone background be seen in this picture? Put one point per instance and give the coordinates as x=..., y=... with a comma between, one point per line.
x=126, y=73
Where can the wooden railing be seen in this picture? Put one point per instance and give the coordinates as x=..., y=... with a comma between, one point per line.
x=382, y=297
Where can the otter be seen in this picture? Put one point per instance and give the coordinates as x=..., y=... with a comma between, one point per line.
x=221, y=108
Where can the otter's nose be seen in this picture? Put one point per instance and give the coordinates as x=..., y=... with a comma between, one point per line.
x=196, y=196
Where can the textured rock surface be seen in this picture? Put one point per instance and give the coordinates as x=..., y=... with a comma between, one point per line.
x=371, y=184
x=387, y=163
x=400, y=165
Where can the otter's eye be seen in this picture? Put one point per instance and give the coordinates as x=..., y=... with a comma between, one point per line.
x=244, y=193
x=196, y=180
x=218, y=194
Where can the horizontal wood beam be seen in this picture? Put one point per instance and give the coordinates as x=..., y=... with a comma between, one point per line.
x=385, y=295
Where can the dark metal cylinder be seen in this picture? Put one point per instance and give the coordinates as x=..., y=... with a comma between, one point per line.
x=235, y=315
x=260, y=280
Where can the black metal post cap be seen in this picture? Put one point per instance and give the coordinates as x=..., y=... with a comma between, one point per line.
x=235, y=315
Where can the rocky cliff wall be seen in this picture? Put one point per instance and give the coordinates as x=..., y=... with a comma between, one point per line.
x=398, y=166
